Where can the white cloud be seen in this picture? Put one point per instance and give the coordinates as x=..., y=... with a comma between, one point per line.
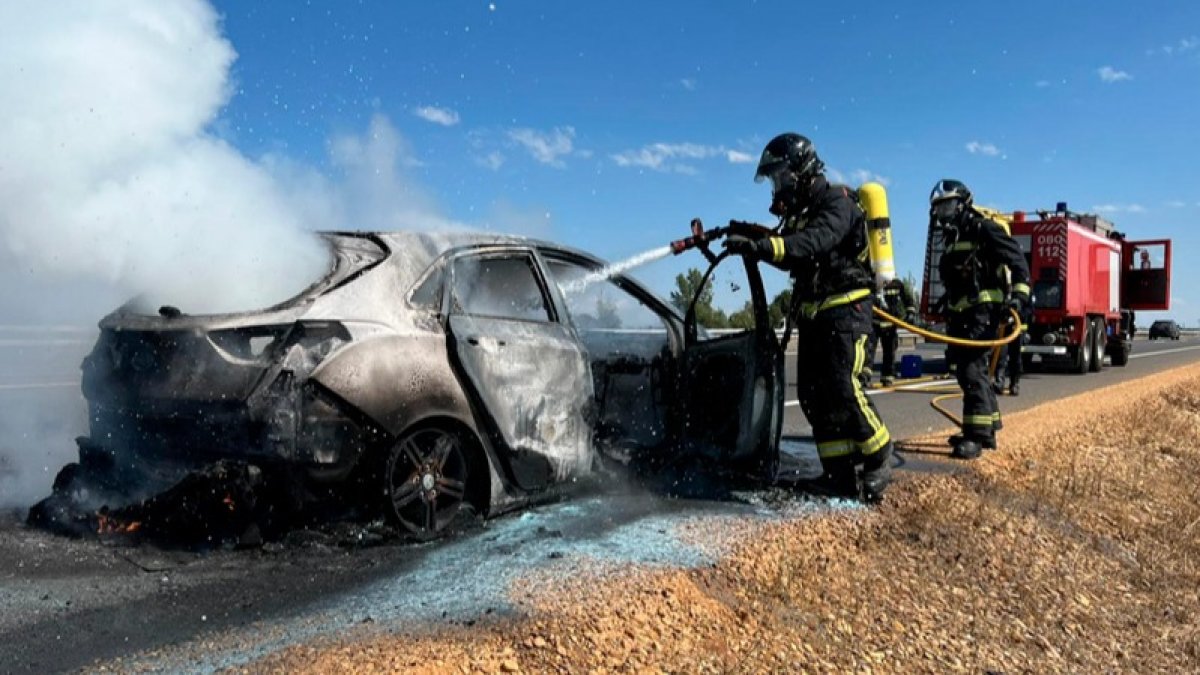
x=986, y=149
x=492, y=160
x=1109, y=74
x=1183, y=46
x=547, y=147
x=443, y=116
x=688, y=83
x=739, y=157
x=861, y=176
x=674, y=157
x=1119, y=208
x=1176, y=204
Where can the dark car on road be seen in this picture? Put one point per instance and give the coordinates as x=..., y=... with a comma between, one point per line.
x=428, y=373
x=1166, y=329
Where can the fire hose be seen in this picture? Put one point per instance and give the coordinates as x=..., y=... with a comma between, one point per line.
x=701, y=238
x=950, y=393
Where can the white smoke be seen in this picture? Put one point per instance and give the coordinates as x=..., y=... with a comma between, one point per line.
x=113, y=184
x=109, y=170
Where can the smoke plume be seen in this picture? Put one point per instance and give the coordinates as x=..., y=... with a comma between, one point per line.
x=113, y=185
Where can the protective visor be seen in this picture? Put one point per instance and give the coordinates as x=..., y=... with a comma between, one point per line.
x=945, y=189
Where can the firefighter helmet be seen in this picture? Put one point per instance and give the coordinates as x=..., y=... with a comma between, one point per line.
x=948, y=188
x=791, y=162
x=788, y=151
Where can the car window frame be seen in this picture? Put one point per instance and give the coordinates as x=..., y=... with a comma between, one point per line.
x=499, y=251
x=669, y=314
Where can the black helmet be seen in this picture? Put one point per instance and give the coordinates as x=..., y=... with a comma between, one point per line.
x=791, y=162
x=948, y=188
x=788, y=151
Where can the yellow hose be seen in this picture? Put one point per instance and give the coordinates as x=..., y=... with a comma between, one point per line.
x=946, y=392
x=940, y=337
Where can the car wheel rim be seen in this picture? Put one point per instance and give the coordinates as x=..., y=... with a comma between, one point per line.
x=427, y=479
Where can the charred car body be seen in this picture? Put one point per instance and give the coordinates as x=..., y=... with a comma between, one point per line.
x=429, y=373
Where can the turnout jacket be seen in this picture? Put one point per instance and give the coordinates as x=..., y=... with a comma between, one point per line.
x=972, y=267
x=824, y=248
x=898, y=302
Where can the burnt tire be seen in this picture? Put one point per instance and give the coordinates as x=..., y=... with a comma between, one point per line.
x=427, y=480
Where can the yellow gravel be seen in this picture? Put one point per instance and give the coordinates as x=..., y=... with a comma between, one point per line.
x=1074, y=548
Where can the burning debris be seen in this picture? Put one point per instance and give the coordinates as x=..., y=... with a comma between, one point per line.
x=226, y=502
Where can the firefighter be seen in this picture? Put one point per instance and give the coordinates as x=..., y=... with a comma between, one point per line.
x=821, y=242
x=898, y=302
x=1010, y=363
x=972, y=265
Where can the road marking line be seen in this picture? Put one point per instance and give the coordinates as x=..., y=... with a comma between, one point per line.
x=1164, y=351
x=37, y=385
x=42, y=343
x=951, y=381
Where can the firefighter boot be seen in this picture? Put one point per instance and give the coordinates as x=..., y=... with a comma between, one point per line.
x=877, y=474
x=840, y=479
x=986, y=443
x=967, y=448
x=887, y=381
x=1014, y=389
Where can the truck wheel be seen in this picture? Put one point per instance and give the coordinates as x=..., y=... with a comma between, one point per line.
x=1098, y=340
x=1081, y=362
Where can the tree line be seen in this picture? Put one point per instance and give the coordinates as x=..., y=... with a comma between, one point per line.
x=709, y=316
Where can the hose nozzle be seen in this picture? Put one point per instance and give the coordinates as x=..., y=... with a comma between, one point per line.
x=699, y=237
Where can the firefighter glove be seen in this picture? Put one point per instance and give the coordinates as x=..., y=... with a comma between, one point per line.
x=739, y=245
x=1017, y=301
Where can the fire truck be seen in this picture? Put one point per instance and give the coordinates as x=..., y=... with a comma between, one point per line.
x=1088, y=282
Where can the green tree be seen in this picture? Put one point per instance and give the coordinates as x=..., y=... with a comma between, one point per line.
x=743, y=318
x=778, y=309
x=606, y=313
x=914, y=290
x=686, y=287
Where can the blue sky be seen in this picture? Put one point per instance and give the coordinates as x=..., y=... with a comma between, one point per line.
x=608, y=126
x=623, y=120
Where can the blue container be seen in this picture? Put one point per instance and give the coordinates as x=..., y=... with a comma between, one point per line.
x=910, y=366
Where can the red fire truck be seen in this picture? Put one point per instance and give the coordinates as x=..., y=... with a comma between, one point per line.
x=1088, y=281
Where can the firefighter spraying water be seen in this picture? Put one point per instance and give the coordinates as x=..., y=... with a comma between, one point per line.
x=837, y=245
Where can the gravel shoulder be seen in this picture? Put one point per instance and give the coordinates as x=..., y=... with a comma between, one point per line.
x=1073, y=548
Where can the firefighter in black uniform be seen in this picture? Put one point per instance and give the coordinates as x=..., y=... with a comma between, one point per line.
x=821, y=242
x=898, y=302
x=1010, y=363
x=972, y=269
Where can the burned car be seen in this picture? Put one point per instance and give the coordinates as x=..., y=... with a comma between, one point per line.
x=430, y=375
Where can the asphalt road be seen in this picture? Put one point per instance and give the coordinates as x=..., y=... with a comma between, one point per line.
x=907, y=412
x=69, y=604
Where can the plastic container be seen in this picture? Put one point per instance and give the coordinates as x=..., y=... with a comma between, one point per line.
x=910, y=366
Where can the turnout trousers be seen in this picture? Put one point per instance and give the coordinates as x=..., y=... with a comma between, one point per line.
x=981, y=411
x=889, y=337
x=831, y=353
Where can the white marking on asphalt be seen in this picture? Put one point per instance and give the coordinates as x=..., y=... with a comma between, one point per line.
x=1164, y=351
x=37, y=385
x=934, y=383
x=42, y=343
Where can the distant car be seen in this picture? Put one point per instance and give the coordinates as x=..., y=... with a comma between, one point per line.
x=1165, y=328
x=427, y=373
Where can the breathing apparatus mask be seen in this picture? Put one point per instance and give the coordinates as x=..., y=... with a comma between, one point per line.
x=948, y=201
x=945, y=215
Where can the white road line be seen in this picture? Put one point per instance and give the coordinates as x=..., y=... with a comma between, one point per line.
x=1164, y=351
x=42, y=343
x=37, y=385
x=935, y=383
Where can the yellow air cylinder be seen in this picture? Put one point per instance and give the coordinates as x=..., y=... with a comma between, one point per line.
x=873, y=198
